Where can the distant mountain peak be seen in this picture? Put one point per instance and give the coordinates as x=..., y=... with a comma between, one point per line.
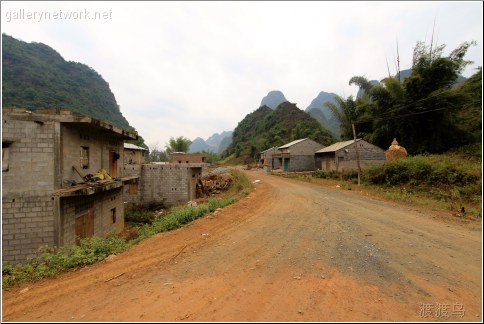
x=321, y=113
x=215, y=143
x=273, y=99
x=318, y=102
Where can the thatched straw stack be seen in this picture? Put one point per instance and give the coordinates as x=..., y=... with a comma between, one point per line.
x=395, y=151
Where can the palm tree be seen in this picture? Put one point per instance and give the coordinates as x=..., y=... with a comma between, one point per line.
x=344, y=110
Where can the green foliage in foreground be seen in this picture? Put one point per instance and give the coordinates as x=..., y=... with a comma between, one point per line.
x=421, y=170
x=454, y=168
x=90, y=250
x=447, y=181
x=53, y=261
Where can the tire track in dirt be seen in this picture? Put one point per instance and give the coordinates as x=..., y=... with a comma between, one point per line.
x=291, y=251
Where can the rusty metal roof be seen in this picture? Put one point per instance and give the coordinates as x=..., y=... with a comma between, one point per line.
x=337, y=146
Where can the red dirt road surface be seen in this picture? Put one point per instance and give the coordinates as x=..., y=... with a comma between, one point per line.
x=290, y=251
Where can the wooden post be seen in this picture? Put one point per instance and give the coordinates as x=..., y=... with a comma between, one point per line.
x=357, y=153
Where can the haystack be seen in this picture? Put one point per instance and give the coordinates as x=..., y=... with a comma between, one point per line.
x=395, y=151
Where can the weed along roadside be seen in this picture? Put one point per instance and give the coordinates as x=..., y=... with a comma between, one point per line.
x=53, y=261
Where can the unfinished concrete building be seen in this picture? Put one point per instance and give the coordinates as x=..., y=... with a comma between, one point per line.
x=50, y=192
x=163, y=184
x=182, y=157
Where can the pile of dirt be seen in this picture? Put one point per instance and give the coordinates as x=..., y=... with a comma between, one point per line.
x=213, y=184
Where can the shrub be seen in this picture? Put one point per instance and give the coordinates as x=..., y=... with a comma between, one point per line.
x=420, y=170
x=324, y=174
x=139, y=216
x=350, y=175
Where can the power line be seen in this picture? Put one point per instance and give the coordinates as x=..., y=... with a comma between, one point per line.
x=416, y=103
x=400, y=116
x=400, y=107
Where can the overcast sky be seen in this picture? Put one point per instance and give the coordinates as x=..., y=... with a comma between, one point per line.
x=197, y=68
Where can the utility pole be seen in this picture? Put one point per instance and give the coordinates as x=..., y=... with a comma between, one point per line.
x=357, y=153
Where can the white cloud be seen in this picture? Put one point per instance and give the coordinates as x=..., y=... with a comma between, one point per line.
x=194, y=68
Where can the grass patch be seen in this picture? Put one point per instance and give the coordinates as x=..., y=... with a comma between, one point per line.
x=445, y=182
x=52, y=261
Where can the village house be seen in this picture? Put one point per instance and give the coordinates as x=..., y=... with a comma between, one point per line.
x=182, y=157
x=266, y=160
x=298, y=155
x=341, y=156
x=134, y=154
x=62, y=179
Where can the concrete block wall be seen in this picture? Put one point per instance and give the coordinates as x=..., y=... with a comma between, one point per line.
x=352, y=164
x=366, y=151
x=302, y=163
x=162, y=184
x=132, y=170
x=269, y=160
x=30, y=156
x=101, y=204
x=27, y=224
x=27, y=183
x=306, y=147
x=188, y=158
x=131, y=194
x=133, y=157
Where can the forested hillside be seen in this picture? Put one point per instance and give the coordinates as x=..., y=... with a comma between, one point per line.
x=265, y=128
x=36, y=76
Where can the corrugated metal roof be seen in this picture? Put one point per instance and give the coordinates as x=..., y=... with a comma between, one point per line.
x=337, y=146
x=268, y=149
x=291, y=143
x=133, y=147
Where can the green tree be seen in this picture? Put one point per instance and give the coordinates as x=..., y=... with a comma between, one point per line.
x=212, y=157
x=344, y=110
x=179, y=144
x=157, y=155
x=429, y=90
x=35, y=76
x=423, y=110
x=469, y=118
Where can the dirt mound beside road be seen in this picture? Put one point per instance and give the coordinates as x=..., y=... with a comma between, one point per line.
x=215, y=183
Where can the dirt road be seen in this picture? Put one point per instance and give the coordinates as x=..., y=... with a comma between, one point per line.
x=290, y=251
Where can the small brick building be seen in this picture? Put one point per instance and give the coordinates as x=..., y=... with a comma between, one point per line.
x=182, y=157
x=341, y=156
x=46, y=200
x=134, y=154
